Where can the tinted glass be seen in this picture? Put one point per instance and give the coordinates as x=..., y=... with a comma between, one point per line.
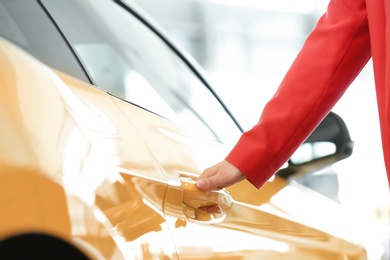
x=26, y=24
x=127, y=59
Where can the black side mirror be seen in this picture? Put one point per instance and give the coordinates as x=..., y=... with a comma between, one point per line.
x=330, y=142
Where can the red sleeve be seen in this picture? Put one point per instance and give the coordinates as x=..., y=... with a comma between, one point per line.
x=331, y=58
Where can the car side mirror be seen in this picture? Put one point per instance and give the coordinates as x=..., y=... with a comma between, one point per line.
x=329, y=143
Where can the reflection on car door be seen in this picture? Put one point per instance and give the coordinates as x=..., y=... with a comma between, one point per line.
x=245, y=230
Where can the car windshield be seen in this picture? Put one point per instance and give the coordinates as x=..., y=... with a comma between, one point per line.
x=124, y=57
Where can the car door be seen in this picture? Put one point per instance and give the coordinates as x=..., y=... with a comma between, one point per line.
x=239, y=230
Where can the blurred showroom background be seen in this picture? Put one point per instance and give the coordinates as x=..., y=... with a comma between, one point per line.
x=246, y=46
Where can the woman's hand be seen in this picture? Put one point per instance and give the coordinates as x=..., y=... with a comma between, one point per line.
x=221, y=175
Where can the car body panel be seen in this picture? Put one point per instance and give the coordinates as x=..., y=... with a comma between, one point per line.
x=117, y=190
x=67, y=147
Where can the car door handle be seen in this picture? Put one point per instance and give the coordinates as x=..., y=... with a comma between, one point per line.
x=195, y=201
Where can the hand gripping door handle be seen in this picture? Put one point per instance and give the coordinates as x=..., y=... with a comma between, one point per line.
x=197, y=204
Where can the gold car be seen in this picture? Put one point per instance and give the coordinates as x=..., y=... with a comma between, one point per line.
x=105, y=124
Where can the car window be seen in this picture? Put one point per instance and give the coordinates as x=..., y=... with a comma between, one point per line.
x=126, y=58
x=26, y=24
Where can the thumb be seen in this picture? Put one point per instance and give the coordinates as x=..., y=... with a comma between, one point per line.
x=206, y=184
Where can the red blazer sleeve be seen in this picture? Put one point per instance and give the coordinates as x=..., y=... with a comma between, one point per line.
x=330, y=59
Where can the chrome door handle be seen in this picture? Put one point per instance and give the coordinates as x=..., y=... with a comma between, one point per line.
x=195, y=202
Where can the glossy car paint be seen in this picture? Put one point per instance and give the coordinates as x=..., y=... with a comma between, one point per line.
x=103, y=174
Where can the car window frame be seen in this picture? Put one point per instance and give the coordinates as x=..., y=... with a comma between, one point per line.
x=192, y=66
x=197, y=70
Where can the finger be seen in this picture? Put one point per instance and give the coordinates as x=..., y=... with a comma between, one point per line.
x=210, y=183
x=212, y=209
